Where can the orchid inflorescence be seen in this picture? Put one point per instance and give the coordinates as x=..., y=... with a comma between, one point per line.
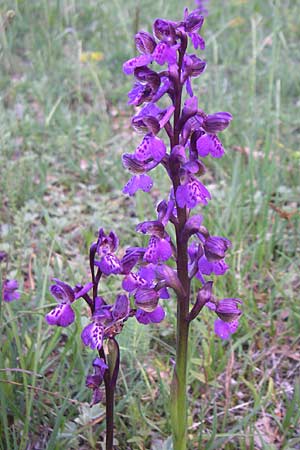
x=163, y=71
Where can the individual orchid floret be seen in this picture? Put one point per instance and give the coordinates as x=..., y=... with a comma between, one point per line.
x=158, y=249
x=165, y=54
x=155, y=316
x=145, y=43
x=143, y=182
x=193, y=67
x=192, y=25
x=141, y=93
x=95, y=380
x=206, y=267
x=107, y=322
x=62, y=315
x=165, y=30
x=228, y=311
x=210, y=144
x=153, y=227
x=146, y=298
x=106, y=246
x=214, y=123
x=151, y=148
x=131, y=257
x=192, y=193
x=9, y=290
x=107, y=243
x=215, y=248
x=147, y=120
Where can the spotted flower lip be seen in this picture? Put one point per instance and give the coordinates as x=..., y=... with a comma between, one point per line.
x=107, y=322
x=151, y=148
x=157, y=250
x=192, y=193
x=143, y=182
x=225, y=329
x=109, y=264
x=210, y=144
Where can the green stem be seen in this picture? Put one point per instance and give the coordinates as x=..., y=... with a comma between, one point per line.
x=179, y=382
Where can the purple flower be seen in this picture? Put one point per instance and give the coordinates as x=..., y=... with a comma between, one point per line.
x=210, y=144
x=153, y=227
x=109, y=264
x=225, y=329
x=107, y=322
x=158, y=250
x=143, y=182
x=132, y=281
x=164, y=30
x=62, y=315
x=155, y=316
x=214, y=123
x=206, y=267
x=151, y=148
x=145, y=43
x=131, y=257
x=146, y=298
x=140, y=93
x=215, y=248
x=192, y=24
x=107, y=243
x=9, y=290
x=139, y=61
x=164, y=53
x=191, y=193
x=94, y=381
x=228, y=311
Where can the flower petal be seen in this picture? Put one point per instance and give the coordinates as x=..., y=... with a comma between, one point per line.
x=62, y=315
x=92, y=335
x=155, y=316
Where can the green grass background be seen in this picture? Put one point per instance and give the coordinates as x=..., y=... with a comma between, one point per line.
x=63, y=127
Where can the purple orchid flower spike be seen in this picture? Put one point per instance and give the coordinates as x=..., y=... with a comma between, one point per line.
x=177, y=134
